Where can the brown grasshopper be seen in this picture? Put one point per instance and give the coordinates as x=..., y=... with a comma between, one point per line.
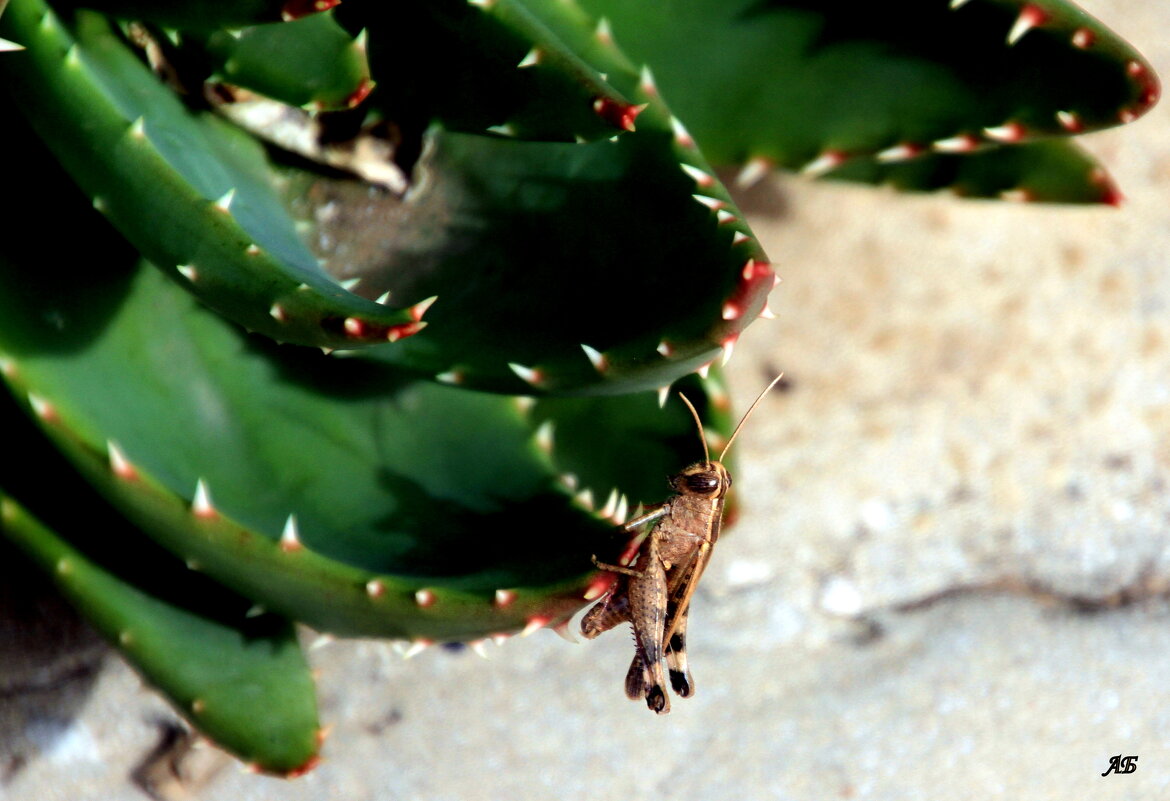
x=655, y=594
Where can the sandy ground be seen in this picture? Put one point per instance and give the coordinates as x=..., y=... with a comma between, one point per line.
x=949, y=580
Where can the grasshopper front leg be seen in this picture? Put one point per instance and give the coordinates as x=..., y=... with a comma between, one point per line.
x=614, y=609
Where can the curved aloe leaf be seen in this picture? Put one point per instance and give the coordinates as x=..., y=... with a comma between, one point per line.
x=595, y=267
x=190, y=192
x=531, y=69
x=1050, y=171
x=808, y=85
x=339, y=493
x=200, y=15
x=310, y=62
x=241, y=680
x=492, y=225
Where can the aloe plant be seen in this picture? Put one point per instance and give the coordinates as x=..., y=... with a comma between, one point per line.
x=490, y=208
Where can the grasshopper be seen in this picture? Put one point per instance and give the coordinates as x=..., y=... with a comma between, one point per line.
x=654, y=595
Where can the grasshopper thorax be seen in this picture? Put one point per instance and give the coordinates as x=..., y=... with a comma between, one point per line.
x=702, y=479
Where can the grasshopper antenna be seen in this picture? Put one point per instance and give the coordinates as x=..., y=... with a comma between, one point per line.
x=746, y=415
x=699, y=423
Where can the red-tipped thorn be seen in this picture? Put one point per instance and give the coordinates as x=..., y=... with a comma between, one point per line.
x=899, y=152
x=295, y=9
x=712, y=203
x=321, y=641
x=224, y=203
x=755, y=170
x=753, y=269
x=828, y=160
x=535, y=623
x=610, y=505
x=1031, y=16
x=622, y=513
x=323, y=734
x=375, y=588
x=1008, y=133
x=504, y=598
x=290, y=538
x=598, y=587
x=202, y=506
x=416, y=648
x=1110, y=194
x=963, y=143
x=603, y=32
x=119, y=464
x=620, y=115
x=702, y=179
x=419, y=309
x=646, y=82
x=529, y=375
x=585, y=498
x=1083, y=38
x=681, y=137
x=596, y=358
x=1018, y=195
x=728, y=348
x=1070, y=121
x=731, y=311
x=403, y=330
x=544, y=436
x=424, y=598
x=364, y=87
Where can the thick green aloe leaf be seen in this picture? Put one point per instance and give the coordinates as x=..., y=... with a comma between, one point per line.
x=1049, y=171
x=536, y=249
x=345, y=494
x=808, y=85
x=204, y=14
x=190, y=192
x=532, y=69
x=662, y=271
x=310, y=62
x=243, y=681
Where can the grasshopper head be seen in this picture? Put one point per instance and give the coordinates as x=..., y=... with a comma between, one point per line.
x=702, y=479
x=709, y=478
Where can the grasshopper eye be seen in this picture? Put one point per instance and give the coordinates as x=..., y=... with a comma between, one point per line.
x=702, y=483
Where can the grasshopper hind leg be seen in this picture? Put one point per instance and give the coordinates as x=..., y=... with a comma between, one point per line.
x=676, y=660
x=640, y=683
